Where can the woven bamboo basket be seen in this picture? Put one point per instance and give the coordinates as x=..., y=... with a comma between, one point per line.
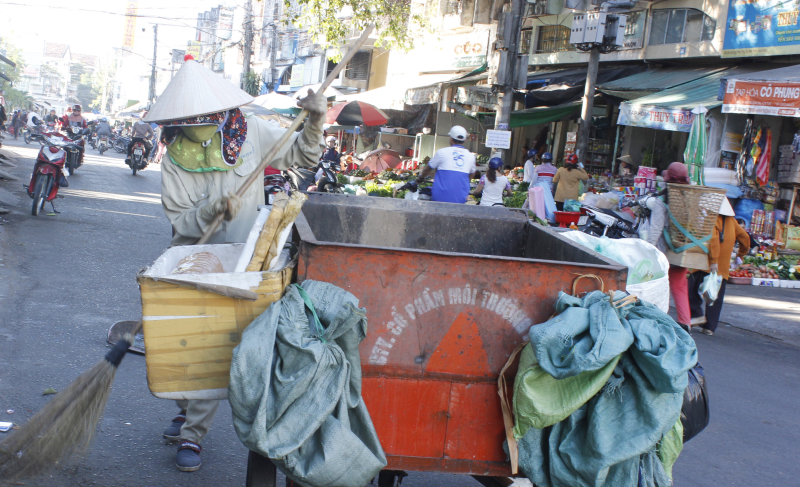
x=696, y=208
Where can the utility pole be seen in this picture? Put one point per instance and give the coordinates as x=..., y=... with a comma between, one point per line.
x=582, y=139
x=509, y=61
x=273, y=73
x=152, y=95
x=248, y=40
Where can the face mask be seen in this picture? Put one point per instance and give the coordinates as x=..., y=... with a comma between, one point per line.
x=200, y=133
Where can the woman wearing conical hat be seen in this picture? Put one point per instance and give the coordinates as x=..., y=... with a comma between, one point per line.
x=211, y=150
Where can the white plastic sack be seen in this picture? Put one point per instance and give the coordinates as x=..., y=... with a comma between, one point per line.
x=709, y=289
x=647, y=266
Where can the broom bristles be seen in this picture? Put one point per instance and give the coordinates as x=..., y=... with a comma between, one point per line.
x=65, y=426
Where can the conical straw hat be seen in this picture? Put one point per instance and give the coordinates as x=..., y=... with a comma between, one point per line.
x=196, y=90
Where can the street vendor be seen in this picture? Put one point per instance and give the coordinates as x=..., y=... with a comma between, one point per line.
x=212, y=148
x=454, y=167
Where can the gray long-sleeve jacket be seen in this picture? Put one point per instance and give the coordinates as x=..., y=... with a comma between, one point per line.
x=183, y=193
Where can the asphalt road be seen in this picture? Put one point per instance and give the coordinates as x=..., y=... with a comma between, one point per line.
x=66, y=278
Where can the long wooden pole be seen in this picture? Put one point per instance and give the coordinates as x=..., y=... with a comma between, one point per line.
x=259, y=172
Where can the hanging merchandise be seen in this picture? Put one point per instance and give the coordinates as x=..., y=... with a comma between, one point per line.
x=762, y=170
x=695, y=154
x=744, y=155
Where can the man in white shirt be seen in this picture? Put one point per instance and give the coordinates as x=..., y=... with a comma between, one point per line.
x=454, y=166
x=527, y=174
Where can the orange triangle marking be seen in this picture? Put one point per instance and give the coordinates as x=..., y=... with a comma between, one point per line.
x=461, y=350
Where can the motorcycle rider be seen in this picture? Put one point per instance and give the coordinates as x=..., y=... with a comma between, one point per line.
x=103, y=129
x=142, y=132
x=330, y=153
x=75, y=120
x=52, y=117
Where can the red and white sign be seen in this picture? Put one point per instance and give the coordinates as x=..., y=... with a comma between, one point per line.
x=762, y=98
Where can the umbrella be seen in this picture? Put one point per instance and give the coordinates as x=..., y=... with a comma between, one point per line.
x=695, y=154
x=356, y=113
x=277, y=103
x=381, y=160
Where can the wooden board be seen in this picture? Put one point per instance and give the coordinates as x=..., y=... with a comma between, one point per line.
x=190, y=334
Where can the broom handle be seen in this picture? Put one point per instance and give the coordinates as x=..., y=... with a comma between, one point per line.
x=259, y=172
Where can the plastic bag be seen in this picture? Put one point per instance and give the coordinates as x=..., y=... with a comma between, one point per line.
x=572, y=205
x=709, y=289
x=695, y=411
x=647, y=266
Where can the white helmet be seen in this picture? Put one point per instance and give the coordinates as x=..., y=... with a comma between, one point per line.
x=330, y=138
x=458, y=133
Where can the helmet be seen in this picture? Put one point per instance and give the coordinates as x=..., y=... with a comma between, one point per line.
x=547, y=157
x=76, y=107
x=458, y=133
x=532, y=152
x=495, y=163
x=572, y=159
x=330, y=138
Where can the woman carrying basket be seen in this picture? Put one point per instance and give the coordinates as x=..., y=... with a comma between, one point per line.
x=727, y=232
x=678, y=285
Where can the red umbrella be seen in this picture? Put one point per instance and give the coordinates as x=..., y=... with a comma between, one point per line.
x=356, y=113
x=381, y=160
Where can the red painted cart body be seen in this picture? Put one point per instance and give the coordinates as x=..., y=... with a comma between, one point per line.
x=450, y=291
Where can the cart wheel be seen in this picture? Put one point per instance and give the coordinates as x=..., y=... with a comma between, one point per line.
x=493, y=481
x=391, y=478
x=261, y=472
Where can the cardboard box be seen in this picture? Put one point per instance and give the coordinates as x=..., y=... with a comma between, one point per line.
x=192, y=322
x=690, y=260
x=757, y=281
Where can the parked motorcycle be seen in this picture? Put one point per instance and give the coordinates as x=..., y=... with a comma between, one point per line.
x=607, y=223
x=121, y=144
x=299, y=178
x=274, y=184
x=49, y=170
x=137, y=157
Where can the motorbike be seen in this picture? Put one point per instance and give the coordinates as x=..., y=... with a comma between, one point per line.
x=49, y=170
x=299, y=178
x=75, y=135
x=121, y=143
x=137, y=157
x=102, y=143
x=607, y=223
x=328, y=183
x=274, y=184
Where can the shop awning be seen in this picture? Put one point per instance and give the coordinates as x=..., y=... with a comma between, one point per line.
x=654, y=80
x=426, y=94
x=567, y=85
x=542, y=115
x=671, y=109
x=8, y=61
x=773, y=92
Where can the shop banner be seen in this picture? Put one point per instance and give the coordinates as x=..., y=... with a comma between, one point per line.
x=762, y=98
x=761, y=28
x=129, y=35
x=673, y=119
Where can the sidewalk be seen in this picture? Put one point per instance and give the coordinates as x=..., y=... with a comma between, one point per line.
x=768, y=311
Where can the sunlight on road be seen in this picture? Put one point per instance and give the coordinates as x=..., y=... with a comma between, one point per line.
x=98, y=195
x=119, y=212
x=771, y=304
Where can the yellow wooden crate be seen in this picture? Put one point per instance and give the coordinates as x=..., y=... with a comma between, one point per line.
x=193, y=322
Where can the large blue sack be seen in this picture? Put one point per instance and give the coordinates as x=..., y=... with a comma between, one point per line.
x=612, y=439
x=295, y=388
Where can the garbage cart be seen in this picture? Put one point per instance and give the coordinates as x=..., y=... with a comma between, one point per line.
x=450, y=291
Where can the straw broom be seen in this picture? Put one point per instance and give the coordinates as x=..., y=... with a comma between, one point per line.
x=66, y=425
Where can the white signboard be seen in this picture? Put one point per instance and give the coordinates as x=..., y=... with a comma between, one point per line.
x=498, y=139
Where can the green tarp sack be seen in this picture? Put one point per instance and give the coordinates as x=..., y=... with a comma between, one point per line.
x=611, y=429
x=295, y=388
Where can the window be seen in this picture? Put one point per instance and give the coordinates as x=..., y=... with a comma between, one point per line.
x=358, y=67
x=553, y=38
x=681, y=25
x=525, y=41
x=634, y=29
